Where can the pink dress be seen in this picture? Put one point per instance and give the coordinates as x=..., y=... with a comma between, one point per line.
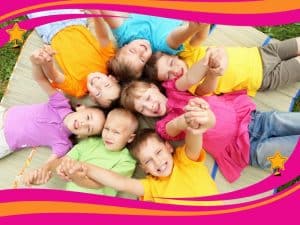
x=228, y=141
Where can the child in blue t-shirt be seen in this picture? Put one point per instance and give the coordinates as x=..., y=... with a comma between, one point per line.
x=139, y=35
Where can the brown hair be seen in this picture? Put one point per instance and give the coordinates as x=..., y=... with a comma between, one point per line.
x=122, y=71
x=131, y=91
x=143, y=135
x=150, y=69
x=126, y=113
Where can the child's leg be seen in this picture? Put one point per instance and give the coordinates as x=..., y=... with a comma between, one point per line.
x=285, y=145
x=271, y=132
x=46, y=32
x=4, y=148
x=281, y=64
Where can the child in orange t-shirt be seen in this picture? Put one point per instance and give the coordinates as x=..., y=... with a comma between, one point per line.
x=81, y=58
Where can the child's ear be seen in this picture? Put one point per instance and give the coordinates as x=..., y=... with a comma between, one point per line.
x=131, y=138
x=154, y=86
x=80, y=107
x=169, y=147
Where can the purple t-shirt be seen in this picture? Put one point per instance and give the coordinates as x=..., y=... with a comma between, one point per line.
x=39, y=125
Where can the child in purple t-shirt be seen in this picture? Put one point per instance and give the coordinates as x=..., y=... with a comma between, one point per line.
x=48, y=124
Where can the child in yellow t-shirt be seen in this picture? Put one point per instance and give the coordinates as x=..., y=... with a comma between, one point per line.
x=180, y=175
x=203, y=70
x=81, y=58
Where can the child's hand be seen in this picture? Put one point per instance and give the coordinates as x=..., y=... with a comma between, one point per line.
x=70, y=168
x=196, y=26
x=37, y=177
x=217, y=61
x=43, y=55
x=197, y=115
x=93, y=11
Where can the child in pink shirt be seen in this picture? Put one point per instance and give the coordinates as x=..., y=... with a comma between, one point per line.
x=240, y=136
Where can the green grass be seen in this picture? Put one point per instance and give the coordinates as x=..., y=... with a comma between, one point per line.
x=8, y=58
x=282, y=32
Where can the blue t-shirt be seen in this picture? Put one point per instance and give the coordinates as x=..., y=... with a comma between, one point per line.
x=154, y=29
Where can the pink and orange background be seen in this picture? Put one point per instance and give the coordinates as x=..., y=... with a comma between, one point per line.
x=37, y=206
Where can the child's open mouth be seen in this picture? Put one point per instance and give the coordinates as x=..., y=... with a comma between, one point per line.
x=76, y=124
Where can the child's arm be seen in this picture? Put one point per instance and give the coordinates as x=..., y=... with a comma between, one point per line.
x=199, y=120
x=43, y=174
x=101, y=30
x=217, y=65
x=38, y=58
x=176, y=126
x=114, y=19
x=194, y=75
x=110, y=179
x=78, y=176
x=182, y=33
x=200, y=36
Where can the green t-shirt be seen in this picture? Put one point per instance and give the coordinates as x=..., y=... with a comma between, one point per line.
x=93, y=151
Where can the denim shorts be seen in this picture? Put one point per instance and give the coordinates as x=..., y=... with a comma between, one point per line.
x=270, y=132
x=48, y=31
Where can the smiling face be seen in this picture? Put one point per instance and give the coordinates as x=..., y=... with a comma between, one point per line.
x=151, y=103
x=119, y=129
x=85, y=121
x=155, y=157
x=103, y=89
x=135, y=54
x=170, y=67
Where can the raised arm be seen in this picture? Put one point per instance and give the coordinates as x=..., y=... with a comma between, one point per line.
x=194, y=75
x=218, y=62
x=201, y=35
x=37, y=59
x=199, y=118
x=176, y=126
x=101, y=28
x=114, y=19
x=182, y=33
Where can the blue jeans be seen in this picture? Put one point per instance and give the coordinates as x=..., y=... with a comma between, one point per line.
x=270, y=132
x=47, y=32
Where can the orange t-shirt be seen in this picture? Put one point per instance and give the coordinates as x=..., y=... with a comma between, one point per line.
x=78, y=53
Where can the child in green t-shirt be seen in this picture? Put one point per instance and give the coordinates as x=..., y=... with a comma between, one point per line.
x=109, y=152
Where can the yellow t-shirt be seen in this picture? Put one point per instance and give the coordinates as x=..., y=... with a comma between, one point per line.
x=244, y=70
x=79, y=54
x=188, y=179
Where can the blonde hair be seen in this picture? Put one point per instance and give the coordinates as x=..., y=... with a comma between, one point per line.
x=121, y=112
x=132, y=91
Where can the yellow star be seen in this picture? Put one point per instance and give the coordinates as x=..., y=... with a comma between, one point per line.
x=16, y=33
x=277, y=161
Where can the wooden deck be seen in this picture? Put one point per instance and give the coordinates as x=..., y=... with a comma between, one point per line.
x=23, y=90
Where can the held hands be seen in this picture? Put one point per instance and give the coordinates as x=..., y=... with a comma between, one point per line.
x=37, y=177
x=196, y=26
x=217, y=61
x=43, y=56
x=197, y=115
x=70, y=169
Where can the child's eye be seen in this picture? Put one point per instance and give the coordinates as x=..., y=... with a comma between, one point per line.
x=142, y=60
x=148, y=98
x=157, y=153
x=88, y=117
x=148, y=161
x=172, y=62
x=116, y=132
x=131, y=51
